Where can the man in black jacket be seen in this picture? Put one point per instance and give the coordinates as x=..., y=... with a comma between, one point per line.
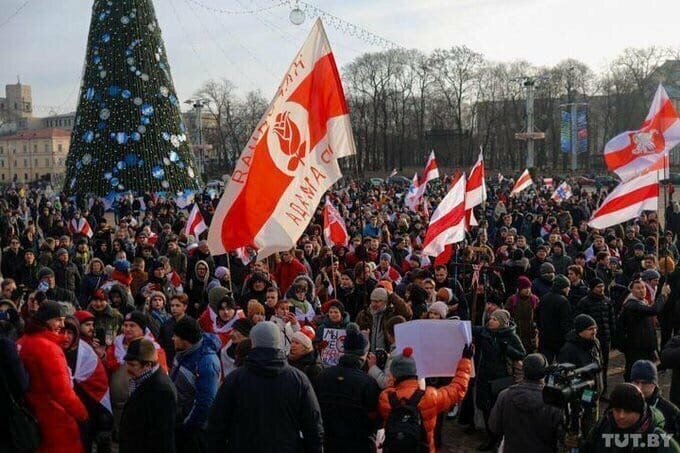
x=265, y=405
x=520, y=406
x=645, y=377
x=638, y=324
x=553, y=316
x=348, y=398
x=148, y=420
x=599, y=307
x=66, y=273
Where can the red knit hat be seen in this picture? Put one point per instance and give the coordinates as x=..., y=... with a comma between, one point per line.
x=523, y=283
x=83, y=316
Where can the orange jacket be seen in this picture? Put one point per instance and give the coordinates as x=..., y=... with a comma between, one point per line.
x=434, y=402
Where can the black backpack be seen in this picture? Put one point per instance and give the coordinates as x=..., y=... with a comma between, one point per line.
x=404, y=432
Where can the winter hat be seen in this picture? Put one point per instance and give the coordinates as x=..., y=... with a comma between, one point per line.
x=99, y=295
x=649, y=274
x=560, y=282
x=644, y=371
x=639, y=246
x=403, y=365
x=266, y=334
x=386, y=257
x=379, y=294
x=523, y=283
x=517, y=254
x=596, y=281
x=188, y=329
x=439, y=308
x=535, y=366
x=583, y=322
x=45, y=272
x=502, y=316
x=155, y=264
x=61, y=252
x=355, y=343
x=546, y=268
x=48, y=310
x=122, y=266
x=221, y=272
x=215, y=295
x=628, y=397
x=386, y=284
x=243, y=326
x=335, y=303
x=83, y=316
x=445, y=295
x=302, y=338
x=141, y=350
x=138, y=318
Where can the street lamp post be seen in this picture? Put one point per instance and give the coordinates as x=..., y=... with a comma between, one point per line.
x=198, y=105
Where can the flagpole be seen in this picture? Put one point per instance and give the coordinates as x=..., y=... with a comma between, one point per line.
x=231, y=288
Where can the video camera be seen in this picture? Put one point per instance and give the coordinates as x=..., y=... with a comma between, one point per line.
x=565, y=384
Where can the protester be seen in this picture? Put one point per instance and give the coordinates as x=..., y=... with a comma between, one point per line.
x=553, y=316
x=147, y=422
x=644, y=376
x=242, y=411
x=196, y=376
x=521, y=405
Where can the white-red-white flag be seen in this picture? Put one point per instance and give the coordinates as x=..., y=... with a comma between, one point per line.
x=195, y=224
x=548, y=182
x=244, y=255
x=90, y=374
x=633, y=153
x=416, y=193
x=562, y=193
x=290, y=160
x=80, y=226
x=431, y=169
x=413, y=197
x=447, y=225
x=627, y=201
x=523, y=182
x=475, y=190
x=334, y=229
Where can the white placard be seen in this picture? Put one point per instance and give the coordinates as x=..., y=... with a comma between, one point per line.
x=437, y=344
x=333, y=340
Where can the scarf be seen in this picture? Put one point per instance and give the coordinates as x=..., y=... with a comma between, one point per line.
x=139, y=380
x=220, y=326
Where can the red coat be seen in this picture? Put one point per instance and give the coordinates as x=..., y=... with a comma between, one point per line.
x=50, y=393
x=434, y=402
x=286, y=273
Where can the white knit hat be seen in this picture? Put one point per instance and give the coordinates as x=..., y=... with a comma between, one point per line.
x=440, y=308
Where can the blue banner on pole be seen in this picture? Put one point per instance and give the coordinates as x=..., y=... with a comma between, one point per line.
x=565, y=132
x=582, y=131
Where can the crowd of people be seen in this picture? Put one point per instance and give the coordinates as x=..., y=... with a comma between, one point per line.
x=137, y=335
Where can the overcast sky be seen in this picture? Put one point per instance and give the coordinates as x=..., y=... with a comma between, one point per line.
x=45, y=42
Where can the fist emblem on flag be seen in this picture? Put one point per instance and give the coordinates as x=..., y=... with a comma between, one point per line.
x=289, y=138
x=648, y=142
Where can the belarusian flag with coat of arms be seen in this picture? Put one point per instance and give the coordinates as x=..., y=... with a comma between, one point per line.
x=290, y=160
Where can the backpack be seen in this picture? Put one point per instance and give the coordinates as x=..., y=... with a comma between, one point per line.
x=404, y=431
x=619, y=336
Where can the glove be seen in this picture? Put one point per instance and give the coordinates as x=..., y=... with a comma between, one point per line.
x=468, y=351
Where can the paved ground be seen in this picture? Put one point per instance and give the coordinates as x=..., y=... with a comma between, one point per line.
x=455, y=440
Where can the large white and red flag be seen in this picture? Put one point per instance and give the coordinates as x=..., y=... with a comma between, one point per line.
x=447, y=224
x=475, y=190
x=195, y=224
x=290, y=160
x=431, y=169
x=523, y=182
x=80, y=226
x=334, y=229
x=627, y=201
x=635, y=152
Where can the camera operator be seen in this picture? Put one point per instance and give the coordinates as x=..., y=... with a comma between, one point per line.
x=628, y=419
x=580, y=349
x=645, y=377
x=521, y=406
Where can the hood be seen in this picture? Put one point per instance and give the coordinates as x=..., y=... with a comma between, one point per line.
x=505, y=331
x=311, y=288
x=211, y=344
x=326, y=322
x=124, y=294
x=526, y=397
x=266, y=362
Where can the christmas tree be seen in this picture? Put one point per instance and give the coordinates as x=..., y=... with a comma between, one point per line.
x=128, y=133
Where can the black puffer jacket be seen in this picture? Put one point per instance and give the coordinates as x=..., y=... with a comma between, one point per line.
x=494, y=349
x=522, y=405
x=263, y=407
x=553, y=319
x=601, y=310
x=347, y=396
x=638, y=323
x=581, y=352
